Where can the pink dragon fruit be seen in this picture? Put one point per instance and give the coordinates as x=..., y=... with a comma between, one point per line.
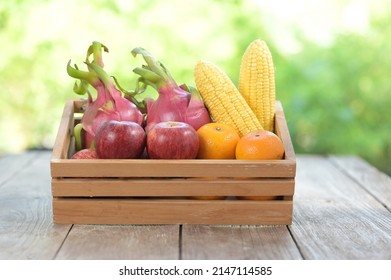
x=175, y=103
x=109, y=103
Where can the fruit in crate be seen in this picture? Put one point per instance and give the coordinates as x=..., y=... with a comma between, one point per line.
x=217, y=109
x=223, y=100
x=207, y=197
x=120, y=140
x=85, y=154
x=172, y=140
x=179, y=103
x=257, y=82
x=260, y=145
x=268, y=197
x=217, y=141
x=109, y=103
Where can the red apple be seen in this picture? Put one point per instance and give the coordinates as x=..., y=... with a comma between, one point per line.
x=85, y=154
x=120, y=140
x=172, y=140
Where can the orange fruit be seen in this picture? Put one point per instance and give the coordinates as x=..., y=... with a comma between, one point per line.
x=270, y=197
x=260, y=145
x=217, y=141
x=207, y=197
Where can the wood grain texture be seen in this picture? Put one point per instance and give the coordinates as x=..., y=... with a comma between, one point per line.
x=12, y=164
x=334, y=218
x=172, y=168
x=240, y=242
x=281, y=129
x=63, y=138
x=341, y=211
x=368, y=177
x=88, y=242
x=171, y=211
x=170, y=187
x=26, y=227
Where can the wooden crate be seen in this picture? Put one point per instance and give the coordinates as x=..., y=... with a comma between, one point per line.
x=145, y=191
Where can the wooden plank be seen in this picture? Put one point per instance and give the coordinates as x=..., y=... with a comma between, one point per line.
x=172, y=168
x=334, y=218
x=63, y=138
x=238, y=242
x=371, y=179
x=171, y=187
x=27, y=230
x=87, y=242
x=26, y=227
x=11, y=164
x=281, y=129
x=170, y=211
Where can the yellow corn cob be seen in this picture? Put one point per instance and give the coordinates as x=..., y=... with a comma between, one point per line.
x=223, y=100
x=257, y=82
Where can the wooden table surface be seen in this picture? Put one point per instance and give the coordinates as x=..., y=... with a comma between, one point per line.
x=342, y=210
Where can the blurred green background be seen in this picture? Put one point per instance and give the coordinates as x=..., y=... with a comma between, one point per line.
x=332, y=60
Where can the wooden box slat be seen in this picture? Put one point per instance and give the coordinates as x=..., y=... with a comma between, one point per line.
x=146, y=191
x=172, y=168
x=171, y=187
x=149, y=211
